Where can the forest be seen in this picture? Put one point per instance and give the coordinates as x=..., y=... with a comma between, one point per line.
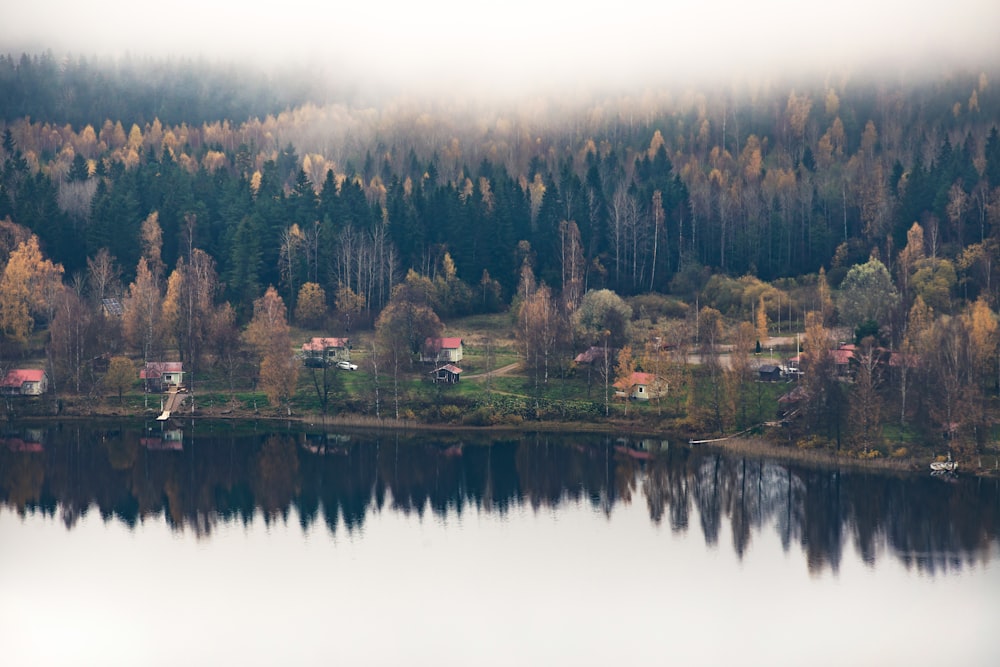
x=210, y=203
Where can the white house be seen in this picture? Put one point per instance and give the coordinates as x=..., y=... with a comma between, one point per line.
x=438, y=350
x=329, y=351
x=24, y=382
x=641, y=386
x=162, y=375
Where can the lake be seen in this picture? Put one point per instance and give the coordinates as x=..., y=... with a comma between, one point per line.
x=253, y=544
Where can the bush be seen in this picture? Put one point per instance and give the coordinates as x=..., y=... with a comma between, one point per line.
x=481, y=416
x=812, y=442
x=450, y=413
x=655, y=306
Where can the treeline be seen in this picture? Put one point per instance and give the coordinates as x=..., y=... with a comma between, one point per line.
x=80, y=91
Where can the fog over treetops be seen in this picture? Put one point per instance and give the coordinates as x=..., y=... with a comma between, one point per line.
x=444, y=47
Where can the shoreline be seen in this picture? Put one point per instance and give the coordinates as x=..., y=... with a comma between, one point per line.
x=755, y=447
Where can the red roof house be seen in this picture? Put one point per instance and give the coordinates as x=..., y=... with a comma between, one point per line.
x=326, y=350
x=641, y=386
x=161, y=375
x=24, y=382
x=442, y=349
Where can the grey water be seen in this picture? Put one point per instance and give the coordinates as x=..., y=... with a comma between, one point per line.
x=256, y=544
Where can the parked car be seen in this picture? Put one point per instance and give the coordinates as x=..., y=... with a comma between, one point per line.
x=347, y=366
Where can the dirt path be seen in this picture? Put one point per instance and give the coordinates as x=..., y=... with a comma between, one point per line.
x=504, y=370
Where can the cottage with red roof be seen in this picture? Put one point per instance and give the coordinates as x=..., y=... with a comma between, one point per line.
x=162, y=375
x=437, y=350
x=641, y=386
x=326, y=351
x=24, y=382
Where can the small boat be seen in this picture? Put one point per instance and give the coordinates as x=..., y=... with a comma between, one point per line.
x=944, y=466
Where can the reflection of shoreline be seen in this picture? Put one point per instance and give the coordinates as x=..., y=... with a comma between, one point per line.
x=744, y=446
x=761, y=448
x=223, y=475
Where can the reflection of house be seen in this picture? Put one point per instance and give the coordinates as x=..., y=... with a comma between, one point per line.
x=28, y=440
x=442, y=349
x=24, y=382
x=172, y=440
x=641, y=386
x=448, y=373
x=162, y=375
x=328, y=351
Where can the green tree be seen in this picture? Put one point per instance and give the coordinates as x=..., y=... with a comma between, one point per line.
x=934, y=280
x=120, y=376
x=867, y=293
x=600, y=311
x=245, y=261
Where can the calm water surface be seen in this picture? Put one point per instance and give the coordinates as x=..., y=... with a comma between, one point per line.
x=217, y=546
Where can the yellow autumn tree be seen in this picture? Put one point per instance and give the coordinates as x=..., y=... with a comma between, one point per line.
x=134, y=137
x=269, y=321
x=310, y=308
x=982, y=329
x=152, y=244
x=797, y=110
x=142, y=314
x=27, y=287
x=623, y=372
x=761, y=323
x=349, y=304
x=269, y=335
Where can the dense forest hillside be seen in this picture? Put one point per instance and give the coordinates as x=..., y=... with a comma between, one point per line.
x=198, y=182
x=774, y=181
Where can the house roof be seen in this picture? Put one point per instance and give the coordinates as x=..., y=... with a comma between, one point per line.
x=443, y=343
x=155, y=369
x=113, y=306
x=636, y=378
x=593, y=353
x=16, y=377
x=451, y=368
x=320, y=344
x=842, y=356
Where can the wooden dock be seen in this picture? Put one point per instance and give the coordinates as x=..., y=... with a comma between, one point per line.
x=174, y=400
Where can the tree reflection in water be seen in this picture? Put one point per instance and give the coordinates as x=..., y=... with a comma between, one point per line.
x=218, y=473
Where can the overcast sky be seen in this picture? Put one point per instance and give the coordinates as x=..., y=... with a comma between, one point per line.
x=519, y=42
